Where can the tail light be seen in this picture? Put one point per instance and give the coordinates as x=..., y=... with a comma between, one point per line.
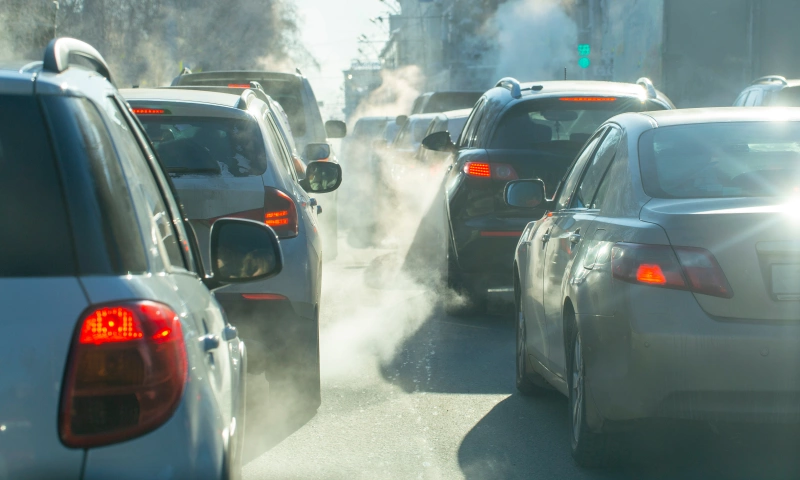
x=125, y=374
x=680, y=268
x=497, y=171
x=280, y=213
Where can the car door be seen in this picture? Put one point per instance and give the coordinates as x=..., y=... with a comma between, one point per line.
x=572, y=222
x=172, y=255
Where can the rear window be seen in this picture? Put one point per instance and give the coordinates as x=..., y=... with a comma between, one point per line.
x=207, y=146
x=413, y=133
x=369, y=128
x=454, y=126
x=743, y=159
x=445, y=102
x=787, y=97
x=35, y=239
x=559, y=126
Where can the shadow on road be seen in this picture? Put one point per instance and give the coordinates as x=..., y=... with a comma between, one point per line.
x=529, y=438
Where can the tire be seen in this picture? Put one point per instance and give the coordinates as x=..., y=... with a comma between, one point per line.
x=528, y=383
x=589, y=449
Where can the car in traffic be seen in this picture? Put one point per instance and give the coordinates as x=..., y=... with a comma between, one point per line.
x=401, y=158
x=770, y=91
x=226, y=157
x=516, y=130
x=436, y=102
x=662, y=282
x=115, y=349
x=294, y=93
x=451, y=122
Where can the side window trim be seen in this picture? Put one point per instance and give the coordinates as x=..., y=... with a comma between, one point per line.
x=611, y=128
x=463, y=140
x=599, y=135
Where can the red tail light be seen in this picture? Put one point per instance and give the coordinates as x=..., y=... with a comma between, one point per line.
x=665, y=266
x=588, y=99
x=148, y=111
x=280, y=213
x=263, y=296
x=497, y=171
x=238, y=85
x=125, y=374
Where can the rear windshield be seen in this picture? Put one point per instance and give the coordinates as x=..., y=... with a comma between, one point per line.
x=743, y=159
x=210, y=146
x=369, y=128
x=557, y=125
x=413, y=133
x=288, y=92
x=445, y=102
x=787, y=97
x=35, y=238
x=454, y=126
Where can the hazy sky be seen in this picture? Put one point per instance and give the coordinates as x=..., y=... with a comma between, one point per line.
x=330, y=30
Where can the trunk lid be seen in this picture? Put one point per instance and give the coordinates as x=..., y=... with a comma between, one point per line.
x=756, y=242
x=40, y=316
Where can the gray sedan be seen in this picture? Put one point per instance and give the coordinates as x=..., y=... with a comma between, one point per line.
x=663, y=280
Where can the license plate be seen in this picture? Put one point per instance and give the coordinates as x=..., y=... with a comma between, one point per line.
x=786, y=282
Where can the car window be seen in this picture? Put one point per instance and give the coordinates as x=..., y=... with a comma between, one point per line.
x=155, y=221
x=787, y=97
x=740, y=101
x=278, y=145
x=596, y=170
x=574, y=173
x=754, y=98
x=35, y=239
x=471, y=126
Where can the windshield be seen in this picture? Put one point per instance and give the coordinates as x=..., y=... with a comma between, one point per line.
x=210, y=146
x=722, y=160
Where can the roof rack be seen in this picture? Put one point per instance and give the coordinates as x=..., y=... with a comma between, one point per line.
x=512, y=84
x=771, y=79
x=245, y=99
x=59, y=51
x=648, y=86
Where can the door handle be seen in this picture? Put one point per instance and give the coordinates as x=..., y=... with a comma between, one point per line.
x=229, y=333
x=575, y=237
x=210, y=342
x=546, y=236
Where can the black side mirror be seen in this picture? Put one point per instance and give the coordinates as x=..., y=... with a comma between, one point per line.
x=335, y=129
x=401, y=120
x=242, y=251
x=316, y=151
x=439, y=141
x=525, y=193
x=322, y=177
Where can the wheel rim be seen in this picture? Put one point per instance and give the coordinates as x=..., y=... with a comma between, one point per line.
x=577, y=390
x=520, y=346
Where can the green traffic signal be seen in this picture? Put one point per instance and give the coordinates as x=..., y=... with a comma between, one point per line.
x=584, y=49
x=584, y=62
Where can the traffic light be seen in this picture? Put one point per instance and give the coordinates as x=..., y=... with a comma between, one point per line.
x=584, y=50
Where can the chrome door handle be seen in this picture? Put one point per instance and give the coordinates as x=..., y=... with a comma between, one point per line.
x=210, y=342
x=574, y=237
x=229, y=333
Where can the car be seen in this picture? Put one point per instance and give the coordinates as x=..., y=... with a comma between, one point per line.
x=662, y=283
x=294, y=93
x=436, y=102
x=402, y=154
x=516, y=130
x=770, y=91
x=226, y=158
x=451, y=122
x=115, y=349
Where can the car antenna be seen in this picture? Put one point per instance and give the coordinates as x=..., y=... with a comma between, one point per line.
x=565, y=73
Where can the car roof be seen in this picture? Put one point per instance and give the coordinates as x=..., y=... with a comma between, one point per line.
x=568, y=87
x=243, y=74
x=464, y=112
x=689, y=116
x=420, y=117
x=182, y=95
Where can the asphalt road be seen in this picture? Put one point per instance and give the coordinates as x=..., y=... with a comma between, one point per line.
x=409, y=392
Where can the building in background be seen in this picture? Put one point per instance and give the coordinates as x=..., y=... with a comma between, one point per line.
x=359, y=81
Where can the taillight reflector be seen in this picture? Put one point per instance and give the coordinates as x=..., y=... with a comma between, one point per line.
x=280, y=213
x=497, y=171
x=262, y=296
x=238, y=85
x=588, y=99
x=651, y=274
x=148, y=111
x=125, y=375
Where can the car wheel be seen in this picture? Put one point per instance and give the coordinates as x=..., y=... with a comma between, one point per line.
x=528, y=383
x=589, y=449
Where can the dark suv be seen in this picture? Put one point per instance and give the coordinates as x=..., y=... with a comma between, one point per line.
x=770, y=91
x=530, y=130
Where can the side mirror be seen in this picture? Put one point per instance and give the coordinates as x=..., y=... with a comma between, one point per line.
x=335, y=129
x=316, y=151
x=242, y=251
x=439, y=141
x=322, y=177
x=525, y=193
x=401, y=120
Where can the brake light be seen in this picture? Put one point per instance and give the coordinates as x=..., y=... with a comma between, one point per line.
x=588, y=99
x=125, y=374
x=148, y=111
x=665, y=266
x=280, y=213
x=497, y=171
x=238, y=85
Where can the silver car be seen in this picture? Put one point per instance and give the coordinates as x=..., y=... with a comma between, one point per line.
x=118, y=362
x=227, y=158
x=663, y=282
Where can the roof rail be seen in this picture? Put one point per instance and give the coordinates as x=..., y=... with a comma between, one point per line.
x=59, y=51
x=185, y=71
x=512, y=84
x=648, y=86
x=770, y=79
x=298, y=71
x=256, y=86
x=245, y=99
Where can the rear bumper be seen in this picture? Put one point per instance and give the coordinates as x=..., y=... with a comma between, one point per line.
x=485, y=246
x=649, y=362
